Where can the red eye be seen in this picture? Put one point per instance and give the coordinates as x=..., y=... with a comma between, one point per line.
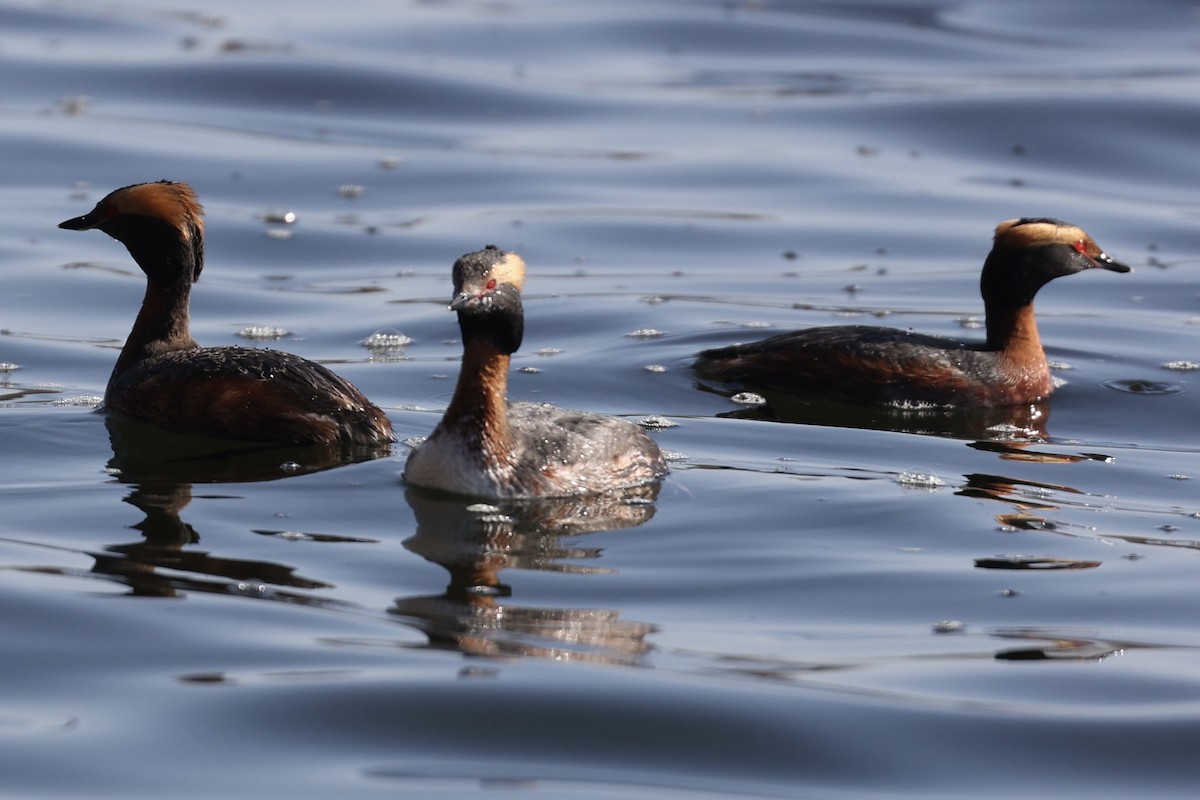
x=491, y=284
x=1081, y=246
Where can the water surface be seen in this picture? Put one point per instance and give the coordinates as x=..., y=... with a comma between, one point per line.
x=818, y=602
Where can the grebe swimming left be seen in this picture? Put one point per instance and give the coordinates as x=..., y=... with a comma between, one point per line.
x=164, y=377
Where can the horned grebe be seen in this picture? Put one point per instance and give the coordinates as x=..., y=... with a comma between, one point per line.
x=164, y=377
x=866, y=364
x=485, y=446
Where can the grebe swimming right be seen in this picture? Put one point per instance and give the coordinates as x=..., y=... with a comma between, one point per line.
x=165, y=378
x=488, y=448
x=866, y=364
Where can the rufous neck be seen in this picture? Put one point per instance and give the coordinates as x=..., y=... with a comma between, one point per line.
x=1013, y=332
x=480, y=401
x=162, y=323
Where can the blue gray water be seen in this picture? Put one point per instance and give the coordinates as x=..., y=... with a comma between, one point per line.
x=817, y=604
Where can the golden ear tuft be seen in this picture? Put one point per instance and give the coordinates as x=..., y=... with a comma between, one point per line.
x=1035, y=232
x=510, y=269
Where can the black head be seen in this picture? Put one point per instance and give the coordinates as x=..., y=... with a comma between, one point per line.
x=161, y=224
x=487, y=297
x=1030, y=252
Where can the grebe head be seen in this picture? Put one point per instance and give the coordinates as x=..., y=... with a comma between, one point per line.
x=487, y=297
x=161, y=224
x=1030, y=252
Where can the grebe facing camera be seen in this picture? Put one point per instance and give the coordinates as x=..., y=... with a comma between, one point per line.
x=165, y=378
x=866, y=364
x=487, y=447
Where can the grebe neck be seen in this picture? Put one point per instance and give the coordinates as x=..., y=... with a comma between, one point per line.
x=1009, y=327
x=1013, y=333
x=162, y=324
x=479, y=407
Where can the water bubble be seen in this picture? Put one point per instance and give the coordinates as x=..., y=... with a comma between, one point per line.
x=82, y=401
x=645, y=333
x=919, y=480
x=253, y=588
x=657, y=423
x=386, y=339
x=263, y=333
x=749, y=399
x=657, y=369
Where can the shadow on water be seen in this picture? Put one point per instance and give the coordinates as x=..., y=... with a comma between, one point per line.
x=475, y=542
x=1023, y=422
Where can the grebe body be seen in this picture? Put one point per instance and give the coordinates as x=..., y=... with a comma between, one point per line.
x=164, y=377
x=878, y=365
x=484, y=446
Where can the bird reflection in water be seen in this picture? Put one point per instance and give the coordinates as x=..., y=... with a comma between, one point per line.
x=1026, y=422
x=161, y=469
x=475, y=541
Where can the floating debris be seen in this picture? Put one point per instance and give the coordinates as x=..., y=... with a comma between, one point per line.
x=74, y=105
x=529, y=370
x=549, y=351
x=657, y=369
x=949, y=626
x=657, y=423
x=1181, y=366
x=8, y=366
x=390, y=162
x=290, y=466
x=1060, y=366
x=350, y=191
x=279, y=217
x=263, y=333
